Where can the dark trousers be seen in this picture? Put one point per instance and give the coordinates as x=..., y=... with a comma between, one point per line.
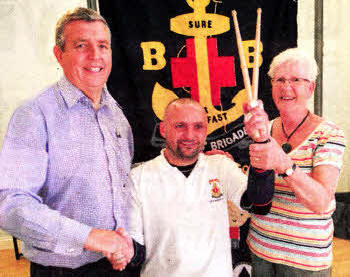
x=101, y=268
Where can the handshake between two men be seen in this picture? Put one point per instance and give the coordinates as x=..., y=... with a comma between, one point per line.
x=124, y=253
x=117, y=246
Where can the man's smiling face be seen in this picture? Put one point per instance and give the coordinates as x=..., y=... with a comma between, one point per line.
x=87, y=57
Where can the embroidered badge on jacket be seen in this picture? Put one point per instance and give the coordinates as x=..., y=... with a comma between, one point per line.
x=216, y=189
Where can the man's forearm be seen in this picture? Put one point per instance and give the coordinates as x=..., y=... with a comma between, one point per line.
x=36, y=224
x=257, y=199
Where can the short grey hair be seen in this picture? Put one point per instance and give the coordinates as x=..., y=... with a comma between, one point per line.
x=292, y=55
x=78, y=13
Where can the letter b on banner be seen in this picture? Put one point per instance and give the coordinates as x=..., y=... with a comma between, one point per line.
x=153, y=51
x=249, y=55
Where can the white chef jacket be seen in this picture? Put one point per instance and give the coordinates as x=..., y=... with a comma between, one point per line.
x=183, y=222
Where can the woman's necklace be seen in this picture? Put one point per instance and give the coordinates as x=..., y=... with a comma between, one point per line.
x=286, y=146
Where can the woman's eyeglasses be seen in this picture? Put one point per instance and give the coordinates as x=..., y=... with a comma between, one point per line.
x=292, y=81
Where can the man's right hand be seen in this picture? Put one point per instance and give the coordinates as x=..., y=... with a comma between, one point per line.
x=119, y=260
x=117, y=246
x=105, y=241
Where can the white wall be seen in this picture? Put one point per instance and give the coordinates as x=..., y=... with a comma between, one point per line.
x=27, y=38
x=336, y=74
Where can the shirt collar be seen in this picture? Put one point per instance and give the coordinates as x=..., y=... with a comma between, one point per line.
x=169, y=167
x=72, y=95
x=107, y=99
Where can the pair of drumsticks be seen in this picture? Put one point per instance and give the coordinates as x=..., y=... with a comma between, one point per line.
x=252, y=95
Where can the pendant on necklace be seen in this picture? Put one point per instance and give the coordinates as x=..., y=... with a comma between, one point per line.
x=286, y=147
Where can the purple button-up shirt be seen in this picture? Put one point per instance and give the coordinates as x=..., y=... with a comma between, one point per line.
x=64, y=168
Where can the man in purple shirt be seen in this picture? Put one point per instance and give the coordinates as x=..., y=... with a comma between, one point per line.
x=65, y=161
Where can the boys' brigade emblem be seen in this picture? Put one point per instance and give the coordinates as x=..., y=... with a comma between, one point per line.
x=216, y=188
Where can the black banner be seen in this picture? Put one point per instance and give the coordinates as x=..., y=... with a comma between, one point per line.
x=163, y=50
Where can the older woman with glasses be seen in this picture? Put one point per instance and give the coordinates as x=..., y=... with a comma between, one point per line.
x=305, y=151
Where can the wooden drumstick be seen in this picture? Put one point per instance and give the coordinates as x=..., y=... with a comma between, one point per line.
x=244, y=68
x=251, y=98
x=255, y=83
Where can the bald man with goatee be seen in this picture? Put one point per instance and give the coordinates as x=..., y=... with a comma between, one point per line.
x=179, y=200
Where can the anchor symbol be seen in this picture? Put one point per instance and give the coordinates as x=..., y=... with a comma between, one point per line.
x=201, y=70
